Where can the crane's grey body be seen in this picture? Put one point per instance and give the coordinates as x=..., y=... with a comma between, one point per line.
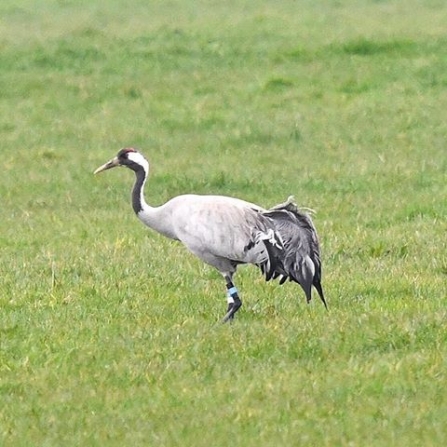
x=216, y=229
x=225, y=232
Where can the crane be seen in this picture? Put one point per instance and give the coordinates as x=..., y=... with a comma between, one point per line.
x=225, y=232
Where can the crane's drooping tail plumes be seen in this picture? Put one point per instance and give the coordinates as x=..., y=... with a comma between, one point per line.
x=298, y=259
x=226, y=232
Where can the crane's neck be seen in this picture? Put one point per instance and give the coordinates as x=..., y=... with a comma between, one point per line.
x=157, y=218
x=138, y=202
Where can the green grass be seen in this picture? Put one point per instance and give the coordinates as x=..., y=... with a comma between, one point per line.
x=108, y=332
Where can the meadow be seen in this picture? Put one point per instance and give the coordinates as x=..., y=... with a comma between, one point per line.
x=109, y=332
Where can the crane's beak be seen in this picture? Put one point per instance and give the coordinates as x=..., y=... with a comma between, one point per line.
x=113, y=163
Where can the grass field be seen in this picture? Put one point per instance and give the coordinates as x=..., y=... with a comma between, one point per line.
x=108, y=333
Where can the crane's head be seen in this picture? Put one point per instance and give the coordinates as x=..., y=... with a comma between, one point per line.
x=128, y=157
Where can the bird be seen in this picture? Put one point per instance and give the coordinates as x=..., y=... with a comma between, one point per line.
x=226, y=232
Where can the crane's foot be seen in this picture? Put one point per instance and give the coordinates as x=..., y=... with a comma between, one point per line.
x=232, y=309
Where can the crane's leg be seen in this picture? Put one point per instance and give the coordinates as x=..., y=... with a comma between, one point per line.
x=234, y=302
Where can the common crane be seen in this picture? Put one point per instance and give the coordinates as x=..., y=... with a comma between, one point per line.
x=225, y=232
